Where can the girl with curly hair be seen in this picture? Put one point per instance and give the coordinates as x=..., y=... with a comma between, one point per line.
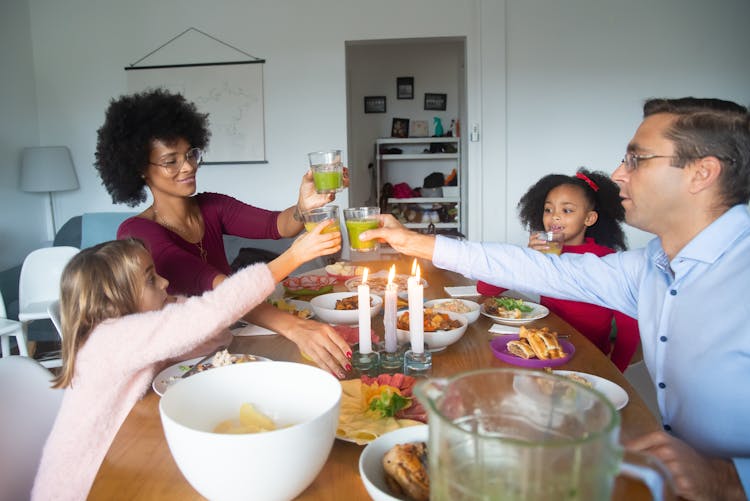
x=586, y=209
x=154, y=141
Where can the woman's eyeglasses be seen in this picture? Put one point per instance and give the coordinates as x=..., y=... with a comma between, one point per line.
x=193, y=156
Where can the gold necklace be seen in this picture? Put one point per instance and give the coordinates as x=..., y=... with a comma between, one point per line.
x=199, y=244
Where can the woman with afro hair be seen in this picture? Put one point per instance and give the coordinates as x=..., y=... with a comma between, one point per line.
x=154, y=141
x=586, y=209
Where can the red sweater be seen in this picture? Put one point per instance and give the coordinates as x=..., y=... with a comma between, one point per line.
x=594, y=322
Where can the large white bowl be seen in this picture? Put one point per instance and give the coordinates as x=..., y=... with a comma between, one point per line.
x=371, y=460
x=274, y=465
x=438, y=340
x=324, y=307
x=472, y=315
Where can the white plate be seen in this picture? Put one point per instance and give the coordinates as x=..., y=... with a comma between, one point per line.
x=371, y=460
x=614, y=392
x=173, y=373
x=538, y=311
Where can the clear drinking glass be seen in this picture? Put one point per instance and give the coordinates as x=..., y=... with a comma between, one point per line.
x=523, y=435
x=328, y=171
x=358, y=220
x=312, y=217
x=555, y=241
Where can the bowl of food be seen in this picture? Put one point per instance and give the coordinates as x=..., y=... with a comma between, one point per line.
x=383, y=479
x=470, y=309
x=212, y=420
x=441, y=329
x=342, y=307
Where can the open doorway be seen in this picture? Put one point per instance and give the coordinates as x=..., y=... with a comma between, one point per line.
x=374, y=69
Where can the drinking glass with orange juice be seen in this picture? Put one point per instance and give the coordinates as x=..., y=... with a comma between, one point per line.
x=315, y=216
x=555, y=241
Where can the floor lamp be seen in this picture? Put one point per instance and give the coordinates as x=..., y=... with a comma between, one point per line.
x=48, y=169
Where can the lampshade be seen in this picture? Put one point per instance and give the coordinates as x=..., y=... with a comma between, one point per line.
x=47, y=168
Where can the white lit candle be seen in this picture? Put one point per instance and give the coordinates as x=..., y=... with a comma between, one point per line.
x=416, y=311
x=389, y=317
x=363, y=307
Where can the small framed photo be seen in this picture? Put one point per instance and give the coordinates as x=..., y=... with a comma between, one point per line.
x=374, y=104
x=435, y=101
x=405, y=87
x=400, y=127
x=419, y=128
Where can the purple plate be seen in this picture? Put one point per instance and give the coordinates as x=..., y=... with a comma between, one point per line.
x=498, y=348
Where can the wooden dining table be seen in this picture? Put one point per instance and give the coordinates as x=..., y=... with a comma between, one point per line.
x=139, y=466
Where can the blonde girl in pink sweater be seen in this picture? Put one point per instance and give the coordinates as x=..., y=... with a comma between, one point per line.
x=120, y=328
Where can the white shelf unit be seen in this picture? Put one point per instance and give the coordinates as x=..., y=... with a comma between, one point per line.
x=412, y=166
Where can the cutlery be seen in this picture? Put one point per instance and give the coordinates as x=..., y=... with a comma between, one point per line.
x=195, y=366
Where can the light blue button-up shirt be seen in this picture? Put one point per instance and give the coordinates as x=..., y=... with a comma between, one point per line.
x=693, y=313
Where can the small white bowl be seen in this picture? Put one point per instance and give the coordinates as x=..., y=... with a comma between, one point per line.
x=371, y=460
x=324, y=307
x=278, y=464
x=438, y=340
x=472, y=315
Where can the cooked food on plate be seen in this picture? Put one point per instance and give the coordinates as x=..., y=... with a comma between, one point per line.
x=406, y=473
x=433, y=321
x=349, y=303
x=454, y=305
x=342, y=269
x=291, y=308
x=506, y=307
x=222, y=358
x=371, y=407
x=536, y=343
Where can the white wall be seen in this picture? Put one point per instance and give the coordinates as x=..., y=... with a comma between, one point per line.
x=22, y=215
x=553, y=85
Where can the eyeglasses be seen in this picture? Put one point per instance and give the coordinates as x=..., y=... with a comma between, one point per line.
x=193, y=156
x=631, y=160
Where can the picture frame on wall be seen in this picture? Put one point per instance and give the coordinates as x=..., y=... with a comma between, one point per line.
x=435, y=101
x=400, y=127
x=374, y=104
x=405, y=87
x=419, y=128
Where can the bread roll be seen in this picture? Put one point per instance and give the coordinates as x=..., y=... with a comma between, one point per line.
x=520, y=348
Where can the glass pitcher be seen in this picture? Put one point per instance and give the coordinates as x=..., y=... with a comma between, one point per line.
x=515, y=434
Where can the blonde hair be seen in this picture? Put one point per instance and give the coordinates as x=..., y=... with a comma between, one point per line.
x=99, y=283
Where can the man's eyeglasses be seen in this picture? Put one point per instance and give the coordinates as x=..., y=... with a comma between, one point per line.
x=193, y=156
x=631, y=160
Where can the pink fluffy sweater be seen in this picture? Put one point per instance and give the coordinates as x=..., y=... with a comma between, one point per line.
x=115, y=367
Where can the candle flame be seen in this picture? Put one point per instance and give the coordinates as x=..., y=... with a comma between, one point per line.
x=392, y=274
x=414, y=266
x=417, y=273
x=364, y=276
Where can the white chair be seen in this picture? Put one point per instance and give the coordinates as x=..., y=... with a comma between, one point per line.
x=40, y=285
x=53, y=310
x=10, y=328
x=27, y=413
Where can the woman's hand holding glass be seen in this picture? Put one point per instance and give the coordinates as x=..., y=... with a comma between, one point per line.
x=309, y=198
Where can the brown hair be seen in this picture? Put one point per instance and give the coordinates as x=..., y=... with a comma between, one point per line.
x=99, y=283
x=711, y=127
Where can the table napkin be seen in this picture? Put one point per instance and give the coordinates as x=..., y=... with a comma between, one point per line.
x=252, y=330
x=503, y=329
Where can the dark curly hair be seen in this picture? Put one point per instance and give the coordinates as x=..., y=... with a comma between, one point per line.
x=131, y=124
x=606, y=202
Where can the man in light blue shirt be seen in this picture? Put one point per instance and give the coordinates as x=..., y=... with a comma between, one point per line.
x=685, y=178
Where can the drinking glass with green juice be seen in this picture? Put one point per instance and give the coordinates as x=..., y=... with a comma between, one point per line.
x=313, y=217
x=358, y=220
x=328, y=171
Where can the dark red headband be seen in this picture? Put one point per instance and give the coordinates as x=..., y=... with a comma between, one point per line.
x=593, y=185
